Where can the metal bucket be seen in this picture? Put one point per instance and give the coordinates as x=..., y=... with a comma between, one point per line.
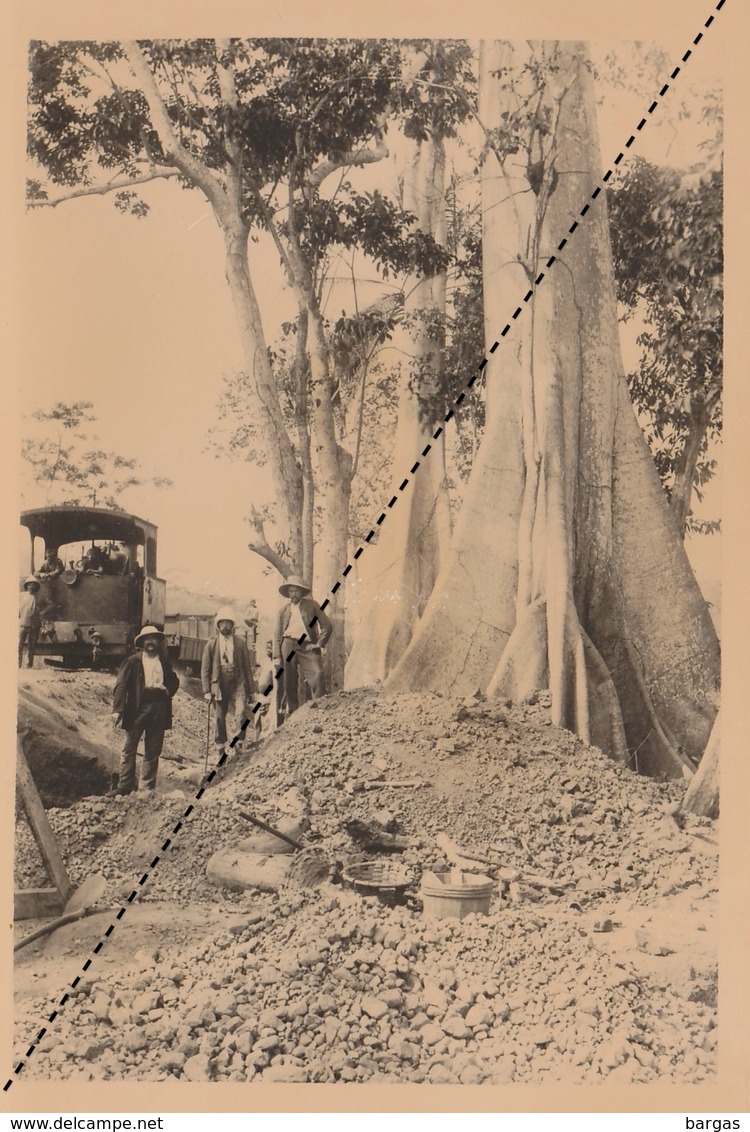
x=451, y=893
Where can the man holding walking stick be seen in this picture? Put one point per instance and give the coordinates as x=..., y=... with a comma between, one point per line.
x=142, y=705
x=226, y=676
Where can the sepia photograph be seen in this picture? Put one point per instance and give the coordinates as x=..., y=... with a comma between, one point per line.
x=370, y=518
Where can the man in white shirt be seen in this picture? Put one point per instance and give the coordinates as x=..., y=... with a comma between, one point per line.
x=301, y=660
x=142, y=704
x=226, y=676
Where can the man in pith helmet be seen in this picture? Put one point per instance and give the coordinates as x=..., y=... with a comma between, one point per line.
x=301, y=616
x=142, y=705
x=31, y=608
x=227, y=676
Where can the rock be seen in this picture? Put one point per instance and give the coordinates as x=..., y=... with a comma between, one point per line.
x=434, y=995
x=310, y=957
x=392, y=998
x=294, y=1074
x=201, y=1015
x=471, y=1075
x=87, y=1049
x=615, y=1052
x=134, y=1040
x=455, y=1025
x=402, y=1048
x=100, y=1007
x=374, y=1007
x=650, y=944
x=122, y=1016
x=268, y=976
x=540, y=1035
x=393, y=937
x=172, y=1060
x=440, y=1074
x=288, y=964
x=197, y=1068
x=149, y=1000
x=479, y=1016
x=431, y=1034
x=147, y=957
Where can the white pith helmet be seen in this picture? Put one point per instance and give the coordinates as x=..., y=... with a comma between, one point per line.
x=226, y=614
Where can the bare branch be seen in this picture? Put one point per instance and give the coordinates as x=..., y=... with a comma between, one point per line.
x=111, y=187
x=261, y=546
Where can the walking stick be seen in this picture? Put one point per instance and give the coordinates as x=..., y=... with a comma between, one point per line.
x=114, y=779
x=208, y=738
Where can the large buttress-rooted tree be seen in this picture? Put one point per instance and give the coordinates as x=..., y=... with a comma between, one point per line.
x=566, y=570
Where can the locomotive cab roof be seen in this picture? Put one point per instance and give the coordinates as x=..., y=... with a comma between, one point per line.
x=64, y=524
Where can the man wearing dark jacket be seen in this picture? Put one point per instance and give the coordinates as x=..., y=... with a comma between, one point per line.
x=142, y=704
x=226, y=676
x=300, y=616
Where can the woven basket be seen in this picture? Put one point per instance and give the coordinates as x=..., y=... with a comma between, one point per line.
x=378, y=874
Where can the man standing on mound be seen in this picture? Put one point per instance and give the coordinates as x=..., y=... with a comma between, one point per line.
x=142, y=704
x=226, y=676
x=301, y=616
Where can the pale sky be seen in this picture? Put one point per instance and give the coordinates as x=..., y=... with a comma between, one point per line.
x=136, y=317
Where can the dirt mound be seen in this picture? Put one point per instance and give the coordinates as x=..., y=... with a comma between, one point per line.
x=605, y=969
x=59, y=721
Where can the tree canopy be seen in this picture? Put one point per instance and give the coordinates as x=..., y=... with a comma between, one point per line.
x=67, y=463
x=667, y=242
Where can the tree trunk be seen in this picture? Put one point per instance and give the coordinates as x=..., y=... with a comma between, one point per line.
x=567, y=570
x=398, y=573
x=305, y=568
x=223, y=193
x=684, y=475
x=333, y=491
x=282, y=462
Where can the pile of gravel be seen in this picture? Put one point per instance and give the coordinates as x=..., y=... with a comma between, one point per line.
x=329, y=985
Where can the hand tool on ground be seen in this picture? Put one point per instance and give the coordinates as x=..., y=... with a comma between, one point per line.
x=270, y=829
x=467, y=860
x=80, y=904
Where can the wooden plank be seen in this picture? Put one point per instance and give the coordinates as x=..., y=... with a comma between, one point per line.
x=36, y=903
x=40, y=826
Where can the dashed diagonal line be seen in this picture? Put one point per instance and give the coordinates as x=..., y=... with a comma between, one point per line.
x=146, y=877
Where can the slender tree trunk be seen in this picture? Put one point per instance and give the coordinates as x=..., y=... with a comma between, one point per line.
x=567, y=570
x=303, y=439
x=282, y=462
x=333, y=491
x=398, y=573
x=682, y=489
x=224, y=195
